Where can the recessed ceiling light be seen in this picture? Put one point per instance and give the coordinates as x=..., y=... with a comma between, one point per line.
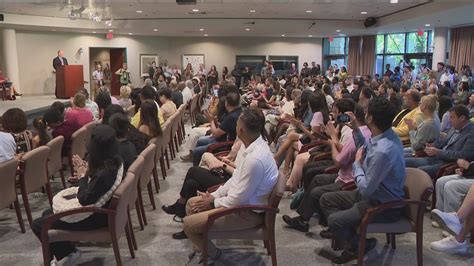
x=309, y=11
x=205, y=35
x=139, y=11
x=338, y=30
x=94, y=32
x=130, y=33
x=247, y=29
x=283, y=35
x=201, y=29
x=111, y=30
x=155, y=29
x=310, y=35
x=53, y=30
x=393, y=1
x=427, y=25
x=195, y=10
x=252, y=10
x=364, y=12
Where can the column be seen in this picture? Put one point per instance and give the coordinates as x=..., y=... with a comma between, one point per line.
x=10, y=56
x=440, y=43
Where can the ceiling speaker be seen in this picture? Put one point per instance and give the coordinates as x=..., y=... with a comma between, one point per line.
x=369, y=22
x=186, y=2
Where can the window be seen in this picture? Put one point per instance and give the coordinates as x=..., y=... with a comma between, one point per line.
x=254, y=62
x=409, y=47
x=335, y=52
x=281, y=64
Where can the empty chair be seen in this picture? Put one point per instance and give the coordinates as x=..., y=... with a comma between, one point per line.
x=55, y=163
x=34, y=176
x=118, y=223
x=148, y=155
x=8, y=188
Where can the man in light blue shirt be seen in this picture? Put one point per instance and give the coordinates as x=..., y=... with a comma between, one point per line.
x=379, y=173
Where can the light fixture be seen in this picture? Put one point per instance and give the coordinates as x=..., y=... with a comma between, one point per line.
x=195, y=10
x=109, y=22
x=111, y=30
x=252, y=11
x=94, y=32
x=393, y=1
x=309, y=11
x=310, y=35
x=130, y=33
x=338, y=30
x=139, y=11
x=427, y=25
x=341, y=34
x=201, y=29
x=53, y=30
x=205, y=35
x=364, y=12
x=155, y=29
x=247, y=29
x=283, y=35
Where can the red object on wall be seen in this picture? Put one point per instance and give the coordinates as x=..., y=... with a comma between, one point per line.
x=421, y=32
x=331, y=39
x=109, y=35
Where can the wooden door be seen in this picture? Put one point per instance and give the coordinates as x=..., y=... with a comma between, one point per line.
x=117, y=58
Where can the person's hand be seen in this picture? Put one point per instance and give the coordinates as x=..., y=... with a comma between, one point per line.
x=215, y=164
x=353, y=122
x=209, y=116
x=410, y=124
x=463, y=164
x=359, y=155
x=331, y=130
x=80, y=166
x=295, y=122
x=431, y=151
x=204, y=203
x=458, y=171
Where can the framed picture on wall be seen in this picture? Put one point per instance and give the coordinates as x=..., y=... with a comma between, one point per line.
x=194, y=59
x=146, y=60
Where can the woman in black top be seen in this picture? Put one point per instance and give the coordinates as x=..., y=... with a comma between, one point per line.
x=98, y=178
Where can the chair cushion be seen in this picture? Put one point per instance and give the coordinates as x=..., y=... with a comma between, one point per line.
x=401, y=226
x=256, y=233
x=97, y=235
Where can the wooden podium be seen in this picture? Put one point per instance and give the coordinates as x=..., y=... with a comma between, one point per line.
x=68, y=79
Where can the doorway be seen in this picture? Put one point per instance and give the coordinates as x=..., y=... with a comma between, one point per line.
x=110, y=60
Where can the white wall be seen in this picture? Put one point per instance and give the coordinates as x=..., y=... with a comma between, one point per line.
x=36, y=51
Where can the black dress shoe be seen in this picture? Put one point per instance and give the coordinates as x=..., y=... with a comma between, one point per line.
x=296, y=223
x=177, y=209
x=349, y=255
x=326, y=234
x=180, y=235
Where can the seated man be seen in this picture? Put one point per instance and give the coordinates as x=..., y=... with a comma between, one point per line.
x=147, y=93
x=379, y=173
x=251, y=183
x=452, y=188
x=226, y=130
x=458, y=144
x=55, y=121
x=320, y=184
x=412, y=100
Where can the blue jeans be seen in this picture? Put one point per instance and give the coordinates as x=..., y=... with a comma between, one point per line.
x=430, y=165
x=201, y=148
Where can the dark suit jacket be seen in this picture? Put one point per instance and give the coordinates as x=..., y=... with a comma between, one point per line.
x=57, y=62
x=461, y=148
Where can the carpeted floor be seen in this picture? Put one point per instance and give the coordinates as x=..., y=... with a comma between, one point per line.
x=156, y=247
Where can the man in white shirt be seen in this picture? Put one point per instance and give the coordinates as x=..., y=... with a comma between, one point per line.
x=187, y=92
x=251, y=183
x=7, y=147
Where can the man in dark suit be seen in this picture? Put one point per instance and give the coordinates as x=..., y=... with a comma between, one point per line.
x=59, y=61
x=458, y=144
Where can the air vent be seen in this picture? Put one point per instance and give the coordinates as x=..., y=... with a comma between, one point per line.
x=197, y=13
x=186, y=2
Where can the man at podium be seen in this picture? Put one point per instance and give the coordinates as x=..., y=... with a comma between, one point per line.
x=59, y=61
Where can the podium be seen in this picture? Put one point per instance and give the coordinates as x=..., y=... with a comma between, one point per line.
x=68, y=79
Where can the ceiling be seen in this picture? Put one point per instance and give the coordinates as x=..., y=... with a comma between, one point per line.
x=272, y=18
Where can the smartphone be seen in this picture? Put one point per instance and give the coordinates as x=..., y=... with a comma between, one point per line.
x=216, y=92
x=343, y=118
x=70, y=197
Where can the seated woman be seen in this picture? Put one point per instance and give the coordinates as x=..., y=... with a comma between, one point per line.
x=41, y=136
x=102, y=173
x=428, y=130
x=14, y=122
x=168, y=108
x=286, y=109
x=294, y=142
x=149, y=123
x=125, y=100
x=79, y=115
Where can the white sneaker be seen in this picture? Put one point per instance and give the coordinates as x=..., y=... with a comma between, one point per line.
x=435, y=224
x=445, y=233
x=54, y=262
x=449, y=245
x=447, y=221
x=73, y=258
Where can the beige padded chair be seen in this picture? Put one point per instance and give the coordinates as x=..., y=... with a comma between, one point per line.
x=265, y=232
x=148, y=155
x=34, y=176
x=166, y=132
x=8, y=189
x=193, y=104
x=175, y=131
x=182, y=111
x=89, y=127
x=418, y=188
x=78, y=146
x=118, y=223
x=136, y=168
x=155, y=158
x=55, y=163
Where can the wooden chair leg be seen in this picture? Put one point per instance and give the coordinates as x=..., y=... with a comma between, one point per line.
x=360, y=257
x=27, y=207
x=46, y=257
x=167, y=158
x=150, y=194
x=129, y=241
x=163, y=167
x=140, y=202
x=266, y=244
x=419, y=246
x=273, y=251
x=63, y=180
x=115, y=246
x=393, y=241
x=139, y=215
x=132, y=234
x=18, y=216
x=49, y=193
x=204, y=250
x=155, y=179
